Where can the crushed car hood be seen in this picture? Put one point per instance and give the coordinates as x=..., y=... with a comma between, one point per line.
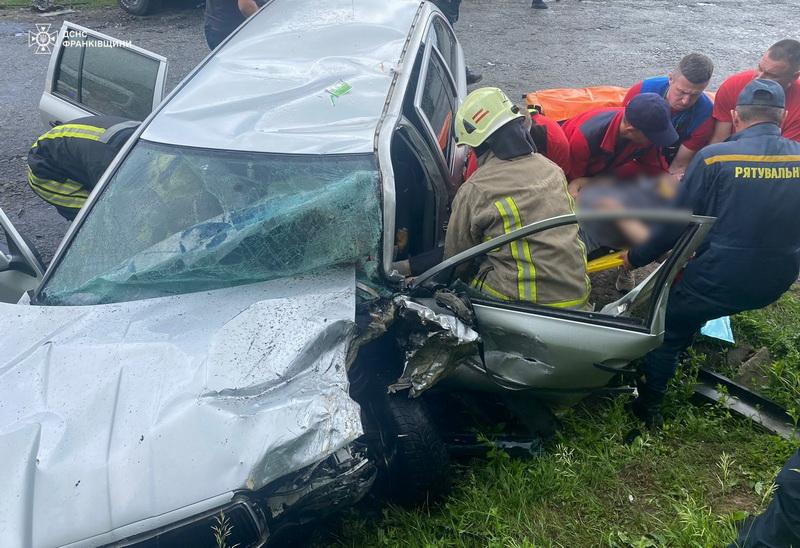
x=116, y=413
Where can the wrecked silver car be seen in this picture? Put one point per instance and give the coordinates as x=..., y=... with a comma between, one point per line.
x=221, y=342
x=182, y=368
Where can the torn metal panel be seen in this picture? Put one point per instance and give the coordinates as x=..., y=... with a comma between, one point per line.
x=125, y=412
x=435, y=341
x=372, y=322
x=714, y=387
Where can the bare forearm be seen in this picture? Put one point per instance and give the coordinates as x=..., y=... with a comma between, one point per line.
x=722, y=130
x=681, y=162
x=247, y=7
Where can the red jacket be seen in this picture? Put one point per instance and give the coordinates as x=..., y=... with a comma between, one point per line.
x=596, y=146
x=728, y=93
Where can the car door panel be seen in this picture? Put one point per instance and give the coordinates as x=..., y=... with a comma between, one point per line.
x=438, y=95
x=86, y=76
x=20, y=267
x=552, y=352
x=563, y=352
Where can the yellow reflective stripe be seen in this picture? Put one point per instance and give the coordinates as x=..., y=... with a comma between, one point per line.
x=77, y=131
x=486, y=288
x=69, y=194
x=751, y=158
x=86, y=127
x=525, y=271
x=526, y=249
x=570, y=304
x=67, y=188
x=507, y=227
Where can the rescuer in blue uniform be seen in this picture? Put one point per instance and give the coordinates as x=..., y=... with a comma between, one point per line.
x=751, y=184
x=779, y=525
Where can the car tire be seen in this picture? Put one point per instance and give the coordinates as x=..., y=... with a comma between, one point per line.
x=416, y=463
x=140, y=7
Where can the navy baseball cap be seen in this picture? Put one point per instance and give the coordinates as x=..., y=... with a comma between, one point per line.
x=764, y=93
x=649, y=113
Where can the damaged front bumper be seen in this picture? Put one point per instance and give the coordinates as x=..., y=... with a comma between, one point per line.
x=267, y=516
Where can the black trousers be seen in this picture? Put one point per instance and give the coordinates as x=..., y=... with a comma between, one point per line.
x=214, y=36
x=686, y=314
x=779, y=525
x=450, y=8
x=69, y=213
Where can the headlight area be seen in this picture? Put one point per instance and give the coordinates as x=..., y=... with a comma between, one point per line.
x=240, y=524
x=275, y=514
x=317, y=491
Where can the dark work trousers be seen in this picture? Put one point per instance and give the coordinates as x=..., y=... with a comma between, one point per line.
x=450, y=8
x=214, y=37
x=779, y=525
x=686, y=314
x=69, y=213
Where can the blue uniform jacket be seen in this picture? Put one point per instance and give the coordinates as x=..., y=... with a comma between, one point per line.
x=751, y=183
x=687, y=121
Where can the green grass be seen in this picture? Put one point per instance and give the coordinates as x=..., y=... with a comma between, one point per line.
x=73, y=4
x=685, y=486
x=778, y=328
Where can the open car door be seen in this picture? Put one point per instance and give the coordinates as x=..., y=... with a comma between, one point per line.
x=563, y=354
x=93, y=73
x=20, y=266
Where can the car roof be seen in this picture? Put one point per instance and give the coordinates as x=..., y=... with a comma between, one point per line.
x=273, y=86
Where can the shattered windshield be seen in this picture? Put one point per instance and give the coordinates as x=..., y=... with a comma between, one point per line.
x=178, y=220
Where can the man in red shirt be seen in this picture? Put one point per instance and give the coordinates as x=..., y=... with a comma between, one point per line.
x=610, y=140
x=780, y=63
x=690, y=109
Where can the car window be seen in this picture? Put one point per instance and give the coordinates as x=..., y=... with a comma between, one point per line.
x=106, y=79
x=66, y=80
x=117, y=81
x=178, y=219
x=446, y=44
x=438, y=104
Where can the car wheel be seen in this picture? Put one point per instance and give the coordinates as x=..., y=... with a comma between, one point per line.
x=140, y=7
x=416, y=466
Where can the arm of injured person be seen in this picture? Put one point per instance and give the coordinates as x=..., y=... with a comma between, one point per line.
x=693, y=194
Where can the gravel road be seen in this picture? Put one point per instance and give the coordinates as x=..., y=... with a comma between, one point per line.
x=574, y=43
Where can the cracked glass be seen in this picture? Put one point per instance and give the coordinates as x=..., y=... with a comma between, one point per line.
x=178, y=220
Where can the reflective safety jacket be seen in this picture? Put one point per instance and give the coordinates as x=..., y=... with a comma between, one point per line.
x=66, y=163
x=751, y=183
x=548, y=268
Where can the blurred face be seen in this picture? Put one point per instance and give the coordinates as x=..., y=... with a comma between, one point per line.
x=779, y=71
x=682, y=94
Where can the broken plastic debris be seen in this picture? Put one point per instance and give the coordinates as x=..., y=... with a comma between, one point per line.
x=719, y=329
x=342, y=88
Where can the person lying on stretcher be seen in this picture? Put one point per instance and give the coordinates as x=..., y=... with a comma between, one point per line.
x=609, y=193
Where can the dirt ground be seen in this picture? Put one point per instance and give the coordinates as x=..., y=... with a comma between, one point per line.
x=574, y=43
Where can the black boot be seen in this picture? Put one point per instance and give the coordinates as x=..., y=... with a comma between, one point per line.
x=473, y=77
x=647, y=406
x=539, y=5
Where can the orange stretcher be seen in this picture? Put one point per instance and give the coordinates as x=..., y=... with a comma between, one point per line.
x=563, y=103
